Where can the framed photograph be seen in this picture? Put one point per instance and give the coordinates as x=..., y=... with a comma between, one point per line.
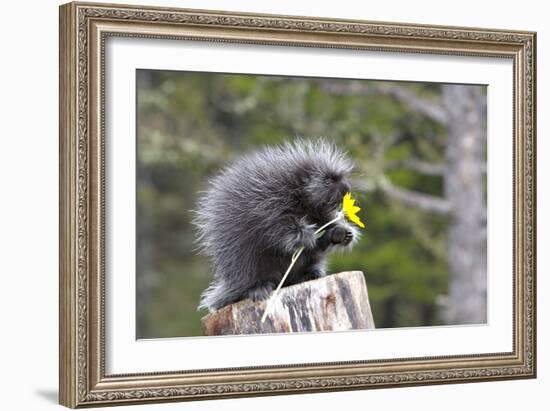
x=259, y=204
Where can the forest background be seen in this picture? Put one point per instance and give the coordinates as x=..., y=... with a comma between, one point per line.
x=420, y=151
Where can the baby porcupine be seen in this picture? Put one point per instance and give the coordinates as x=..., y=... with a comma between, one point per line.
x=261, y=208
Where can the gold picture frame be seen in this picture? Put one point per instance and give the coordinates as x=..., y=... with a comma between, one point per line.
x=84, y=27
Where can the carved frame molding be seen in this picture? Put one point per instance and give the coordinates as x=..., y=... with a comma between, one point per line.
x=84, y=27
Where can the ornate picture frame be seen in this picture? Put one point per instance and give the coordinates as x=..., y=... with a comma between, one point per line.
x=84, y=29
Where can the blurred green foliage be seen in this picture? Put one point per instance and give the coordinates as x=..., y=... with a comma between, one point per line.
x=189, y=125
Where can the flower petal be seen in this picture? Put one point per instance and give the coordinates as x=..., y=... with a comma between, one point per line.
x=350, y=210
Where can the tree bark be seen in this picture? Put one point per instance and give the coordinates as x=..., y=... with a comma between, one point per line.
x=335, y=302
x=465, y=190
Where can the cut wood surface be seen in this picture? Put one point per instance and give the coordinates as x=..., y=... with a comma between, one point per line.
x=335, y=302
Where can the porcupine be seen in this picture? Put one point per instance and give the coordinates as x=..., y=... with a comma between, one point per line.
x=261, y=208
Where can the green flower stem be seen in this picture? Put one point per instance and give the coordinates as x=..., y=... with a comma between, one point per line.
x=319, y=233
x=338, y=217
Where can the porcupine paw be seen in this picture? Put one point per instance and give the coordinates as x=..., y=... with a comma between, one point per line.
x=261, y=292
x=348, y=238
x=341, y=235
x=313, y=274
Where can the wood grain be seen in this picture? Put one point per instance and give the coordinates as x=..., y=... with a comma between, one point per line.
x=332, y=303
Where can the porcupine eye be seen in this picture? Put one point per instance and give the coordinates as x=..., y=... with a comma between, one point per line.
x=331, y=179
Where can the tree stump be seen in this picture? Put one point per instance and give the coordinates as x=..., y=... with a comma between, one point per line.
x=335, y=302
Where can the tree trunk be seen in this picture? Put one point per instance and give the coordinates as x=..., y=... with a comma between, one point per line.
x=465, y=190
x=335, y=302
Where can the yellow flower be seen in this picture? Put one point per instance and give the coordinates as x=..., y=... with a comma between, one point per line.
x=350, y=210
